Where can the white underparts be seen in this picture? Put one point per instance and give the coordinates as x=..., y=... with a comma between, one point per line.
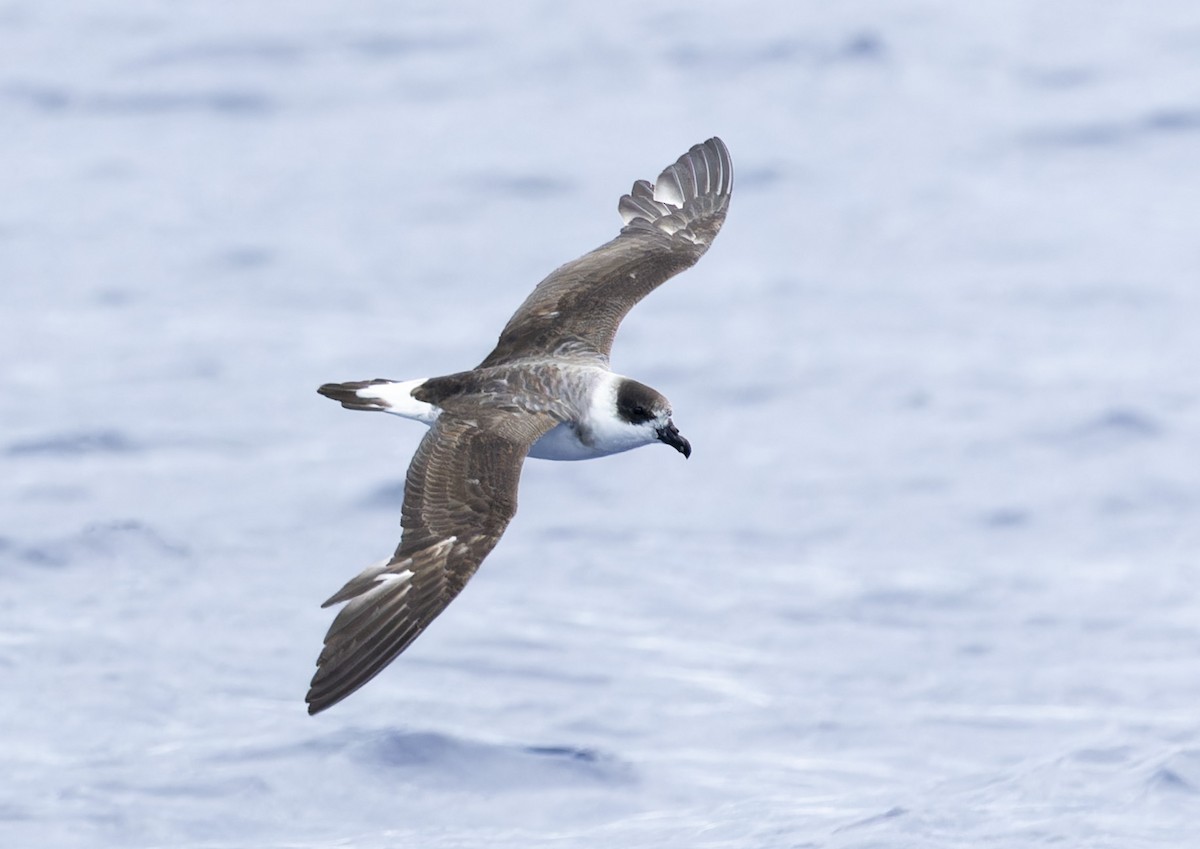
x=562, y=443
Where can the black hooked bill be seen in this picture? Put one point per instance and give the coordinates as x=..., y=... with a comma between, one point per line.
x=670, y=434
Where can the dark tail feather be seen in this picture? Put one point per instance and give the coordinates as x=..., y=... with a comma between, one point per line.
x=347, y=394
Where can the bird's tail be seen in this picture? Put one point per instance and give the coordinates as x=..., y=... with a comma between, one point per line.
x=388, y=396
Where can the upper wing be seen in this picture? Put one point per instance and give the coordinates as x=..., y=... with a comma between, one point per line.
x=460, y=493
x=668, y=226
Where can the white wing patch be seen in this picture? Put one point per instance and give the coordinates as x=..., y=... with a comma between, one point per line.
x=387, y=577
x=375, y=571
x=394, y=577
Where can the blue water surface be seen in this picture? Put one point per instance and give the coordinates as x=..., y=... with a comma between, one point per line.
x=930, y=579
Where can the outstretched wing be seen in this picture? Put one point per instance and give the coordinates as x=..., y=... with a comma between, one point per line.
x=460, y=493
x=668, y=227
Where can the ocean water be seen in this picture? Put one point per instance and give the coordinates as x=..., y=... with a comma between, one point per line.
x=930, y=579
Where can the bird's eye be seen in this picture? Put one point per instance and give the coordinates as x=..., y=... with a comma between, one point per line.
x=636, y=413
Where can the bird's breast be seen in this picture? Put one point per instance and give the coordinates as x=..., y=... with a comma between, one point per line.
x=563, y=443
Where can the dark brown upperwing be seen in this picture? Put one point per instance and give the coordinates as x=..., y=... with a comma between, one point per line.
x=460, y=493
x=668, y=227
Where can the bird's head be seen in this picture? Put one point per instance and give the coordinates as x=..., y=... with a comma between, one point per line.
x=649, y=412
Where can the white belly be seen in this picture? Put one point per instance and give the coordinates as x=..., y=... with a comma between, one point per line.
x=562, y=443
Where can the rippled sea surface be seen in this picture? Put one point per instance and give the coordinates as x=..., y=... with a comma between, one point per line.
x=930, y=579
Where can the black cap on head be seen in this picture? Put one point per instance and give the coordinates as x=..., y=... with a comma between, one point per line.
x=638, y=403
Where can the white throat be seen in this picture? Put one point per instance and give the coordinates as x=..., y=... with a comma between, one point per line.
x=600, y=431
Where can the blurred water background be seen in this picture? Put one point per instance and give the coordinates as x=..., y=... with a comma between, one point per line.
x=930, y=579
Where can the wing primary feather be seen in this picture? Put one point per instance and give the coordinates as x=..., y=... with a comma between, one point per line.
x=352, y=620
x=700, y=171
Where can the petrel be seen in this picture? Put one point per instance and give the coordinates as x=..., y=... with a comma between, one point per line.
x=546, y=391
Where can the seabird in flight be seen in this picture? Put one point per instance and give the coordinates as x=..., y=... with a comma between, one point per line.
x=545, y=391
